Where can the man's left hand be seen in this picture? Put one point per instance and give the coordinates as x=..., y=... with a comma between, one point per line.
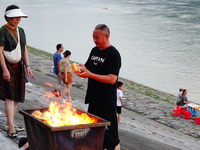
x=85, y=72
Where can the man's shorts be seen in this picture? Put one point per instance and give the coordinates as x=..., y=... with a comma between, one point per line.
x=111, y=137
x=119, y=109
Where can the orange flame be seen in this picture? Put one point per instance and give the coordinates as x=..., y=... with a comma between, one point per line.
x=50, y=95
x=63, y=115
x=49, y=84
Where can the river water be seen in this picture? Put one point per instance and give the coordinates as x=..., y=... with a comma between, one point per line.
x=158, y=40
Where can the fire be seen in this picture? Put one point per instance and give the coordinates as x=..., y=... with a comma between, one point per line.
x=51, y=95
x=49, y=84
x=63, y=115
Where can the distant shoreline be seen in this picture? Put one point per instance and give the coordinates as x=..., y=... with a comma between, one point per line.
x=129, y=85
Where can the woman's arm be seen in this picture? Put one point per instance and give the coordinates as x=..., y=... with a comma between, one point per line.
x=186, y=102
x=65, y=71
x=26, y=61
x=6, y=73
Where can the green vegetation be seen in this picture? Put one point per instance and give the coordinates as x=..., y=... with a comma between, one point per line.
x=41, y=53
x=139, y=88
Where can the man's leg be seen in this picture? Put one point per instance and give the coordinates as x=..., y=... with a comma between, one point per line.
x=60, y=83
x=116, y=148
x=111, y=137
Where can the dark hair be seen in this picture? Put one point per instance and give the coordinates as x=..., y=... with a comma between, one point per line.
x=10, y=7
x=58, y=46
x=119, y=83
x=184, y=91
x=103, y=27
x=66, y=53
x=180, y=90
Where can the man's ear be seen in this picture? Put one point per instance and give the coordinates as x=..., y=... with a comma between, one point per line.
x=107, y=36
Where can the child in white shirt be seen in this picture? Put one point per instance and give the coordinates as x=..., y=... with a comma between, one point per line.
x=119, y=98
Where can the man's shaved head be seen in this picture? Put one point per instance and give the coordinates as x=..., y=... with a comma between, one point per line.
x=104, y=28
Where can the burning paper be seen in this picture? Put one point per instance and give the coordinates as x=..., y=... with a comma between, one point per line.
x=62, y=114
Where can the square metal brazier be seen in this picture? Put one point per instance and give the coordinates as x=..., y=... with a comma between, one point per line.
x=42, y=136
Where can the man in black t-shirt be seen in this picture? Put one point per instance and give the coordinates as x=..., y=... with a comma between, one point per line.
x=102, y=70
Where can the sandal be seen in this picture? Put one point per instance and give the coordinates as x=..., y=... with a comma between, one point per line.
x=6, y=127
x=18, y=129
x=12, y=135
x=57, y=93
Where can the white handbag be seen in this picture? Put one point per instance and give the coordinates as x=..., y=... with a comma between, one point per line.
x=15, y=55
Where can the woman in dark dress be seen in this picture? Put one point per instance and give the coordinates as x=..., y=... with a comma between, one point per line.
x=13, y=62
x=184, y=100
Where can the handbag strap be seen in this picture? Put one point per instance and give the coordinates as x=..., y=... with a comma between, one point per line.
x=18, y=36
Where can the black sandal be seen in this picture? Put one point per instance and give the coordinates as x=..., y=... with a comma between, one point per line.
x=12, y=135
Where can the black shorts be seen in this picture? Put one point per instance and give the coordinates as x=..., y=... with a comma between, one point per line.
x=111, y=137
x=119, y=109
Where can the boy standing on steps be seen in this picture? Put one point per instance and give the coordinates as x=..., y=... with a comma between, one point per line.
x=119, y=99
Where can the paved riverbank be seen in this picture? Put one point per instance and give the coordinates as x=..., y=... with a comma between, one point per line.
x=141, y=114
x=161, y=112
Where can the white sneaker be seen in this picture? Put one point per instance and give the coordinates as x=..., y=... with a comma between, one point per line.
x=29, y=84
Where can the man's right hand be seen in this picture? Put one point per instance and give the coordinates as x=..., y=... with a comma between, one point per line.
x=59, y=74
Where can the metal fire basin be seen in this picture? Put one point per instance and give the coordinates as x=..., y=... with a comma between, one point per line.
x=42, y=136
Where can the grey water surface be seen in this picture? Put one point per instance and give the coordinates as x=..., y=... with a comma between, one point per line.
x=158, y=40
